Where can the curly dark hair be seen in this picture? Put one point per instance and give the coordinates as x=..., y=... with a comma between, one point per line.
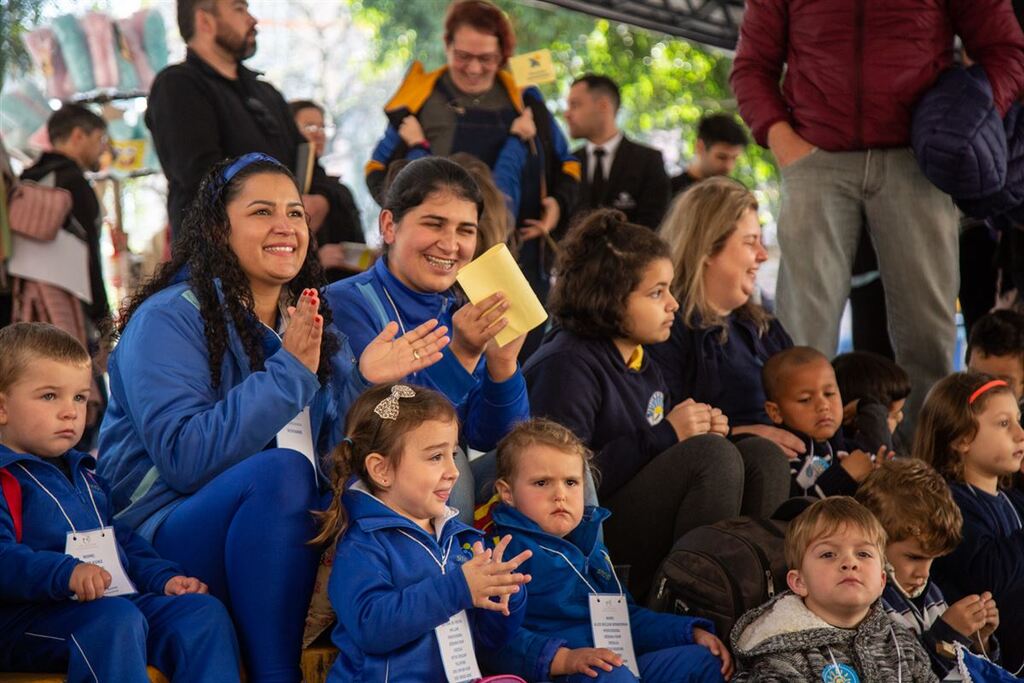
x=602, y=260
x=202, y=247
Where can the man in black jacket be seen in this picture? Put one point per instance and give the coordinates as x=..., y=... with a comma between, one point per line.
x=79, y=138
x=631, y=177
x=210, y=107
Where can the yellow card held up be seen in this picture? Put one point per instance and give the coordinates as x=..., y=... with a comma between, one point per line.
x=532, y=68
x=496, y=271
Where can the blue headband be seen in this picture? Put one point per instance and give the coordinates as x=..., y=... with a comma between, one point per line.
x=240, y=163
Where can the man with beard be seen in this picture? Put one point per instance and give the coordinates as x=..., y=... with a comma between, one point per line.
x=210, y=107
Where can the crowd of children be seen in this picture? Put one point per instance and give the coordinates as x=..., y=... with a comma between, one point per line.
x=421, y=596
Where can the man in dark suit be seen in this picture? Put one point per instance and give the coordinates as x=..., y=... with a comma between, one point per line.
x=720, y=141
x=630, y=177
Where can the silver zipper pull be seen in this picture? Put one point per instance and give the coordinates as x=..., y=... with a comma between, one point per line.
x=769, y=582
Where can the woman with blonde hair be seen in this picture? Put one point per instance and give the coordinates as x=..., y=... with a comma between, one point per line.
x=721, y=338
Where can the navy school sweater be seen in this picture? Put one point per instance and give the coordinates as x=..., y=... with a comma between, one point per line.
x=617, y=412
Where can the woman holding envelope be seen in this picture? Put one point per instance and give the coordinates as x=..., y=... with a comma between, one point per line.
x=429, y=226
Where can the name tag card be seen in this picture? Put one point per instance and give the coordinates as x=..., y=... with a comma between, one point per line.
x=99, y=547
x=609, y=622
x=456, y=643
x=298, y=436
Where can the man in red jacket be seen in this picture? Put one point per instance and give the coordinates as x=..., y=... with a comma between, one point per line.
x=839, y=128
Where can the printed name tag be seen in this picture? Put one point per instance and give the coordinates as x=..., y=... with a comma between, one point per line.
x=609, y=622
x=298, y=436
x=456, y=643
x=99, y=547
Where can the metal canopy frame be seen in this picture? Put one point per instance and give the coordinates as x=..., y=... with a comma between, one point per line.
x=712, y=22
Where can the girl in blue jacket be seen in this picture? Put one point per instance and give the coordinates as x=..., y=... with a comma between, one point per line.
x=414, y=589
x=80, y=592
x=969, y=430
x=227, y=385
x=541, y=469
x=429, y=227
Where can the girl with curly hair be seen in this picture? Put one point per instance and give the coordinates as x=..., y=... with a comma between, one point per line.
x=227, y=352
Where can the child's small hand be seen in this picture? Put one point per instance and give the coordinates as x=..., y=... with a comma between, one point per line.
x=991, y=618
x=690, y=418
x=719, y=422
x=583, y=660
x=858, y=465
x=180, y=585
x=968, y=615
x=89, y=581
x=717, y=647
x=489, y=577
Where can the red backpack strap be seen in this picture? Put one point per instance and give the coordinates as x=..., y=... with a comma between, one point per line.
x=12, y=494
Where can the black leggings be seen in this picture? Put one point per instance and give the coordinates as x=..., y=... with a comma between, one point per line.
x=699, y=481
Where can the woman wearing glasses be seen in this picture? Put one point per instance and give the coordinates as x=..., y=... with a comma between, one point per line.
x=472, y=105
x=342, y=223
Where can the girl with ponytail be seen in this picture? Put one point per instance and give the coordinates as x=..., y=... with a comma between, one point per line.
x=407, y=571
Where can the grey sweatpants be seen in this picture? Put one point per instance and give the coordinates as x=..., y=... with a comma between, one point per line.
x=827, y=198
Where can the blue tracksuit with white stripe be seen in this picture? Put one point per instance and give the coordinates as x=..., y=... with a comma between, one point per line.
x=393, y=584
x=187, y=637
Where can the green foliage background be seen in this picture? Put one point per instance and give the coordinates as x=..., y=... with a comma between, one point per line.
x=667, y=83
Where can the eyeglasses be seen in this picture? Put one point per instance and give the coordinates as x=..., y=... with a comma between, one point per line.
x=312, y=129
x=488, y=61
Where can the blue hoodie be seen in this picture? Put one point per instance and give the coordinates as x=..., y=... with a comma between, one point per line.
x=390, y=593
x=558, y=612
x=167, y=431
x=362, y=307
x=36, y=570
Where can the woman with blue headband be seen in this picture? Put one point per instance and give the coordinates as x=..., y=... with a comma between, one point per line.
x=228, y=383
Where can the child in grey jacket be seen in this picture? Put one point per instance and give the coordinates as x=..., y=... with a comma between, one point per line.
x=830, y=626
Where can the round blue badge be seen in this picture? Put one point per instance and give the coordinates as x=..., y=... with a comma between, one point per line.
x=839, y=673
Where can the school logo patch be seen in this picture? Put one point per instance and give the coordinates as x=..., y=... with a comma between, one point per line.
x=656, y=408
x=839, y=673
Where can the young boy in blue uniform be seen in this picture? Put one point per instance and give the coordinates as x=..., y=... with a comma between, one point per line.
x=78, y=592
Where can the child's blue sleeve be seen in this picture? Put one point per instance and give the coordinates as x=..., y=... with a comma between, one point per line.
x=527, y=654
x=380, y=617
x=657, y=631
x=28, y=575
x=147, y=570
x=491, y=629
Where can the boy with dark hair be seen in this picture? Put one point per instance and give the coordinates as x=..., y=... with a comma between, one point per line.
x=922, y=522
x=720, y=141
x=803, y=398
x=830, y=626
x=871, y=386
x=996, y=347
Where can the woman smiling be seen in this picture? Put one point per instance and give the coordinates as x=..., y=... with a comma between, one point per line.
x=224, y=354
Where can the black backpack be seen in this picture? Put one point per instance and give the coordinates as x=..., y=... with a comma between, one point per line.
x=720, y=571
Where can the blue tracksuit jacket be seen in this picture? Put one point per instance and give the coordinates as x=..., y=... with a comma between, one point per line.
x=487, y=409
x=390, y=593
x=36, y=570
x=167, y=431
x=558, y=612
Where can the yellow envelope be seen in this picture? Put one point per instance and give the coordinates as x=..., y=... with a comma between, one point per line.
x=532, y=68
x=495, y=270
